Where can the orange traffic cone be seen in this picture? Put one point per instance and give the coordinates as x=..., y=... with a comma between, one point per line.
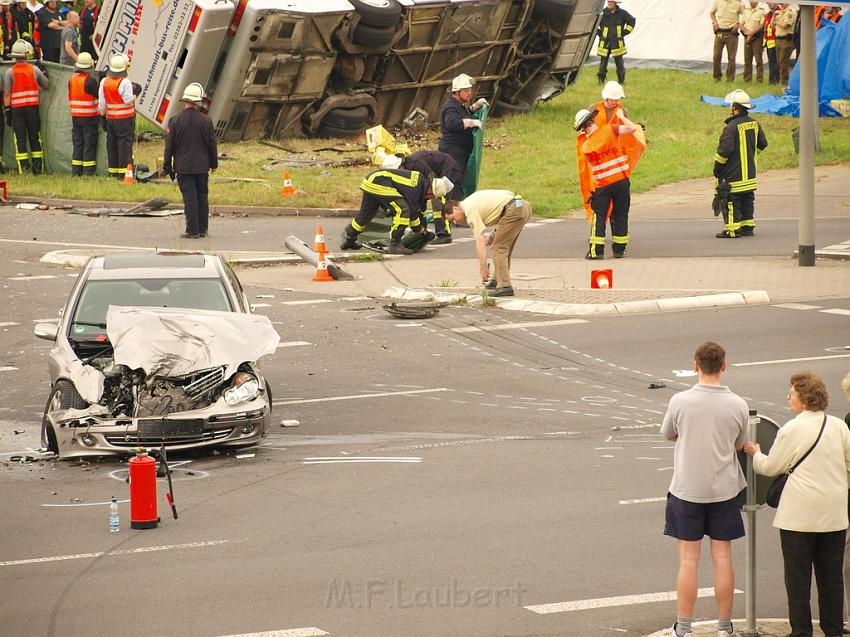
x=601, y=279
x=129, y=180
x=319, y=242
x=288, y=188
x=322, y=273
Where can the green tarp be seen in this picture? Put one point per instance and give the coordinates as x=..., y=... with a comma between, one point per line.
x=473, y=166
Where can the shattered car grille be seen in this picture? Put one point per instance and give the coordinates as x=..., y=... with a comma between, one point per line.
x=202, y=382
x=135, y=439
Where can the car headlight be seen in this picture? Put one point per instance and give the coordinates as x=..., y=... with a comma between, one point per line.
x=245, y=387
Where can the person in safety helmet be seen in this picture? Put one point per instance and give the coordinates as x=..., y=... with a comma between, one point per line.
x=457, y=122
x=117, y=106
x=82, y=98
x=23, y=84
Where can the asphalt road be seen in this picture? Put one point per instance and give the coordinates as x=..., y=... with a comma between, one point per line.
x=439, y=482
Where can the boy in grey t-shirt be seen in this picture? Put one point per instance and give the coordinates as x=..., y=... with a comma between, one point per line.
x=70, y=43
x=708, y=423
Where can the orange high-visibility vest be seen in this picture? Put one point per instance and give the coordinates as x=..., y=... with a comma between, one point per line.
x=115, y=106
x=608, y=161
x=82, y=103
x=24, y=87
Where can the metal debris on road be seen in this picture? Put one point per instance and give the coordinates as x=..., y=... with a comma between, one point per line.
x=289, y=423
x=657, y=384
x=414, y=310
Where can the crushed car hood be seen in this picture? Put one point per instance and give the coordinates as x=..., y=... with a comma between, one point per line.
x=174, y=342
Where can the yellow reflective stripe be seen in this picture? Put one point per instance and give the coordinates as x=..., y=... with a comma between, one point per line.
x=620, y=50
x=415, y=223
x=357, y=226
x=399, y=179
x=629, y=28
x=743, y=186
x=620, y=238
x=117, y=171
x=37, y=154
x=89, y=163
x=377, y=189
x=76, y=162
x=720, y=159
x=748, y=223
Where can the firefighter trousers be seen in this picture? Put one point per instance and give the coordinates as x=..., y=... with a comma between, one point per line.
x=26, y=126
x=84, y=132
x=119, y=145
x=619, y=62
x=738, y=216
x=616, y=196
x=402, y=217
x=196, y=205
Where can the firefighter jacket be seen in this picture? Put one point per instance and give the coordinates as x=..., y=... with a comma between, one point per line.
x=25, y=25
x=404, y=191
x=433, y=163
x=82, y=95
x=735, y=160
x=190, y=144
x=769, y=30
x=613, y=28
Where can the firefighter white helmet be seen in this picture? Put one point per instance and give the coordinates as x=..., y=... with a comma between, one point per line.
x=5, y=3
x=391, y=161
x=583, y=117
x=738, y=97
x=613, y=91
x=193, y=93
x=84, y=61
x=441, y=186
x=20, y=49
x=118, y=63
x=461, y=82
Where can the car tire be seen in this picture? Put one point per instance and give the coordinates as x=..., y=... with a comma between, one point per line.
x=553, y=8
x=367, y=35
x=507, y=108
x=326, y=130
x=347, y=118
x=377, y=13
x=63, y=396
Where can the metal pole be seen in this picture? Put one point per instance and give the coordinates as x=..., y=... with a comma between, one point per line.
x=750, y=509
x=808, y=115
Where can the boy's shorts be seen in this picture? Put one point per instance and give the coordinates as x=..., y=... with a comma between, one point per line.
x=690, y=521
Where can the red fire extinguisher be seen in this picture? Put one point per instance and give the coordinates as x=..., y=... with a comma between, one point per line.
x=143, y=491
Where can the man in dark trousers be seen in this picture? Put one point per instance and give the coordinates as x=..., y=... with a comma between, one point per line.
x=82, y=97
x=735, y=163
x=457, y=123
x=117, y=105
x=615, y=25
x=433, y=163
x=21, y=99
x=50, y=25
x=192, y=153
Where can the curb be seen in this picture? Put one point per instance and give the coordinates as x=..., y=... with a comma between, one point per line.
x=74, y=258
x=777, y=627
x=745, y=297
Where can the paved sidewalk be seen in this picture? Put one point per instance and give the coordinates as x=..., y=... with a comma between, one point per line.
x=765, y=628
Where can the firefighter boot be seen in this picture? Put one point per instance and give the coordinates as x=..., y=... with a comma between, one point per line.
x=37, y=166
x=349, y=239
x=396, y=246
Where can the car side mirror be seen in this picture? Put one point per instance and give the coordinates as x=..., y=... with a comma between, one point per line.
x=47, y=331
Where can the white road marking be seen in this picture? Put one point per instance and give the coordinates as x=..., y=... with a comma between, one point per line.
x=790, y=360
x=258, y=305
x=32, y=278
x=356, y=298
x=8, y=368
x=516, y=326
x=52, y=319
x=142, y=549
x=83, y=504
x=608, y=602
x=9, y=324
x=837, y=311
x=361, y=459
x=642, y=500
x=306, y=302
x=797, y=306
x=288, y=632
x=359, y=396
x=292, y=344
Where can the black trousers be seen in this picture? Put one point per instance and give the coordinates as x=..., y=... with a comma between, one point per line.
x=618, y=62
x=119, y=145
x=84, y=145
x=825, y=552
x=772, y=66
x=50, y=54
x=26, y=126
x=618, y=197
x=741, y=208
x=196, y=206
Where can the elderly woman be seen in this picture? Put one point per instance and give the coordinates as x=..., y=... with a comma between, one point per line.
x=812, y=513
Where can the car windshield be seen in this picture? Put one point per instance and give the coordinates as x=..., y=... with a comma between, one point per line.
x=89, y=320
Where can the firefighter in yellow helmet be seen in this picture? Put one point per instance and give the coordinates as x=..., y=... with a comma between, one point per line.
x=22, y=85
x=117, y=107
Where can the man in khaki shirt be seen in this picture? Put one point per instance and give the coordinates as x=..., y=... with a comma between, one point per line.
x=785, y=21
x=725, y=18
x=752, y=26
x=508, y=213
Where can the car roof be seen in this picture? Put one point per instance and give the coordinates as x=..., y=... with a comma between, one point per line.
x=155, y=265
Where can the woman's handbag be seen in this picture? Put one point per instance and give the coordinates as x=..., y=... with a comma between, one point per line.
x=774, y=491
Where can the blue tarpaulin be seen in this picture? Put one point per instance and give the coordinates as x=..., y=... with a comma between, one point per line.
x=833, y=62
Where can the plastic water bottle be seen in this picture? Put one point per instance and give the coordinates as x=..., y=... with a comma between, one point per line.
x=114, y=521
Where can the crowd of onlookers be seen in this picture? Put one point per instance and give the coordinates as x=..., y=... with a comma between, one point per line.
x=56, y=31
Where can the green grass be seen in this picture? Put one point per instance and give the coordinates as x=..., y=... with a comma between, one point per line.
x=365, y=257
x=532, y=154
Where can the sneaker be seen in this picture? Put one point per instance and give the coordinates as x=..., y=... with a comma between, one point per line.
x=396, y=247
x=349, y=243
x=491, y=284
x=505, y=291
x=726, y=235
x=442, y=239
x=675, y=633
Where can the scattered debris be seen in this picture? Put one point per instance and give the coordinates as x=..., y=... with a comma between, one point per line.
x=413, y=310
x=289, y=423
x=18, y=433
x=245, y=455
x=265, y=296
x=21, y=459
x=657, y=384
x=150, y=208
x=684, y=373
x=75, y=500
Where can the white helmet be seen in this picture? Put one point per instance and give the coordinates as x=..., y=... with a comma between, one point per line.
x=461, y=82
x=193, y=93
x=391, y=161
x=118, y=63
x=738, y=97
x=20, y=49
x=441, y=186
x=583, y=116
x=612, y=91
x=84, y=61
x=6, y=3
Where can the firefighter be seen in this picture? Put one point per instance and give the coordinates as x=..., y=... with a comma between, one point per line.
x=609, y=165
x=21, y=99
x=433, y=163
x=614, y=26
x=117, y=108
x=770, y=43
x=82, y=97
x=402, y=193
x=8, y=27
x=735, y=163
x=457, y=123
x=24, y=22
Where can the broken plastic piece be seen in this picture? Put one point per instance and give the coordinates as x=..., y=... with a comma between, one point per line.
x=657, y=384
